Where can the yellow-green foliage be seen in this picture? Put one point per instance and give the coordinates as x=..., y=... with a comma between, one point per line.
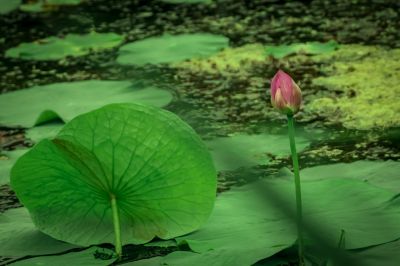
x=369, y=79
x=231, y=60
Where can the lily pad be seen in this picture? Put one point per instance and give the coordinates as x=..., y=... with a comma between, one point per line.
x=140, y=161
x=232, y=235
x=7, y=6
x=280, y=51
x=6, y=163
x=19, y=237
x=46, y=131
x=65, y=101
x=378, y=173
x=86, y=257
x=54, y=48
x=171, y=48
x=237, y=151
x=385, y=254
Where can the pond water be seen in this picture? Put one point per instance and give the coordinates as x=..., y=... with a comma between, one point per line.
x=210, y=62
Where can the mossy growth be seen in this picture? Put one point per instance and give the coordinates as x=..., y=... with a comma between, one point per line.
x=366, y=80
x=237, y=61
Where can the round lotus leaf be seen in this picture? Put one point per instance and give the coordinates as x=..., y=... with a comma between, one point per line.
x=54, y=48
x=171, y=48
x=66, y=100
x=152, y=163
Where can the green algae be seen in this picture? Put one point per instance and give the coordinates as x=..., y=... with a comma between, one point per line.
x=238, y=60
x=365, y=80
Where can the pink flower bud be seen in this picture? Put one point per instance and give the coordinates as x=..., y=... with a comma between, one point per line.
x=285, y=94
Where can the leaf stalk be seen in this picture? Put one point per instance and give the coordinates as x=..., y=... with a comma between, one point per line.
x=117, y=226
x=299, y=207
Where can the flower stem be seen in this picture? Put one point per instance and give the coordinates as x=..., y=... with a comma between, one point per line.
x=117, y=228
x=299, y=208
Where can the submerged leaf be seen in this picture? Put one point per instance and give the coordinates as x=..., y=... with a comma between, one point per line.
x=65, y=101
x=153, y=163
x=171, y=48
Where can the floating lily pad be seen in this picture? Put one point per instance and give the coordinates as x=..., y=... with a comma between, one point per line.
x=386, y=254
x=383, y=174
x=280, y=51
x=171, y=48
x=65, y=101
x=19, y=237
x=86, y=258
x=47, y=131
x=232, y=235
x=54, y=48
x=47, y=5
x=7, y=6
x=148, y=160
x=6, y=162
x=237, y=151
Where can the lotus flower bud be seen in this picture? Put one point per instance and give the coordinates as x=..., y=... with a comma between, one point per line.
x=285, y=94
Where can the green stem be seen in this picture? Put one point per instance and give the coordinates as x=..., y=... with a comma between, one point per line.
x=299, y=208
x=117, y=228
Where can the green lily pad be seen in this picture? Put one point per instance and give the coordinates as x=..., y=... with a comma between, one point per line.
x=171, y=48
x=280, y=51
x=86, y=257
x=147, y=159
x=65, y=101
x=378, y=173
x=54, y=48
x=7, y=6
x=237, y=151
x=6, y=163
x=385, y=254
x=245, y=227
x=46, y=131
x=19, y=237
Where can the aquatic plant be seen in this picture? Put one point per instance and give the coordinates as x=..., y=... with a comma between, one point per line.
x=171, y=48
x=55, y=48
x=286, y=97
x=135, y=168
x=66, y=100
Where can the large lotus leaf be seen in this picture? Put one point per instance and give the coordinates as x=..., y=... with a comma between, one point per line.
x=386, y=255
x=19, y=237
x=67, y=100
x=46, y=131
x=7, y=160
x=54, y=48
x=156, y=167
x=242, y=150
x=84, y=258
x=245, y=228
x=7, y=6
x=383, y=174
x=280, y=51
x=171, y=48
